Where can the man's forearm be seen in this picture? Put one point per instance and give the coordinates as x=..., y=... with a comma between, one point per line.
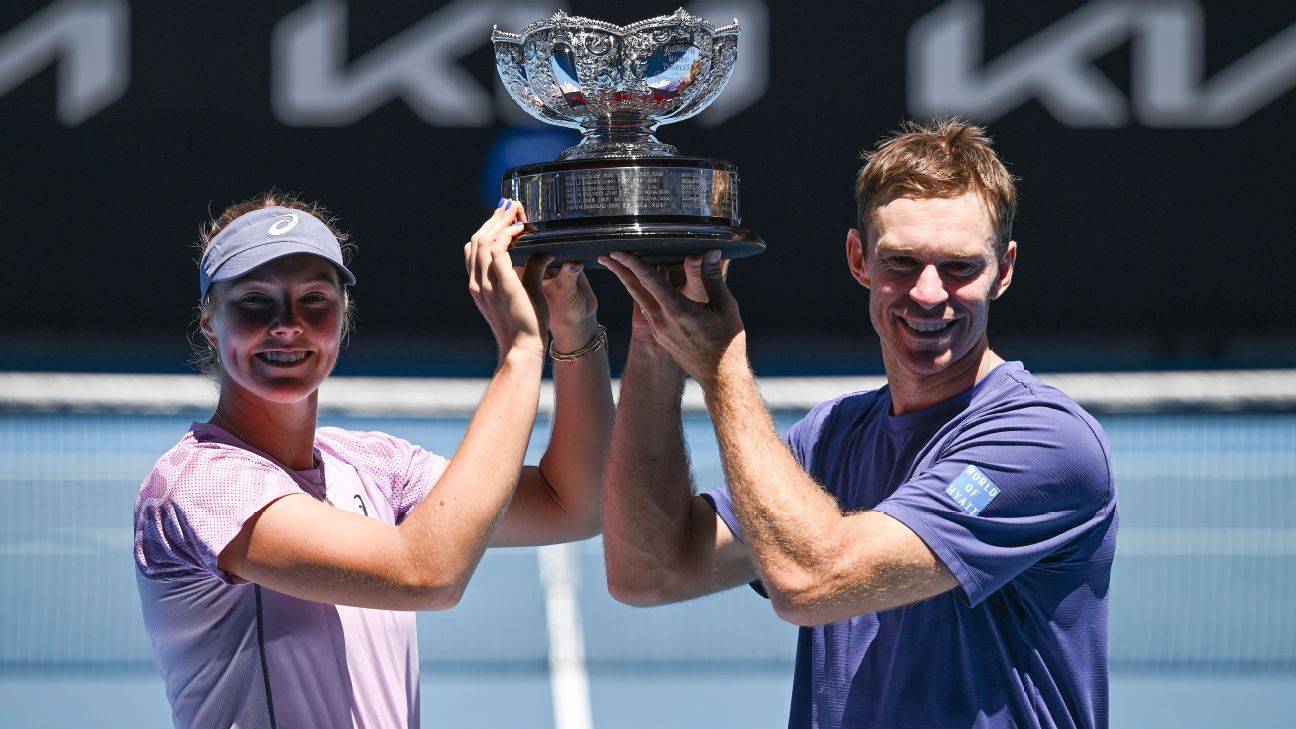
x=647, y=488
x=787, y=519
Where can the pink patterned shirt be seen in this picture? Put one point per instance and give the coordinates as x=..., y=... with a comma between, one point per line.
x=234, y=653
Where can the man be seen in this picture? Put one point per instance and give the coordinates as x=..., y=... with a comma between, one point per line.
x=945, y=540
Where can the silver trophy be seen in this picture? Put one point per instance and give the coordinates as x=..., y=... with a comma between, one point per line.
x=621, y=189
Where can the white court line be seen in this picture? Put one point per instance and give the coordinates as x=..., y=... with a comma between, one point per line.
x=568, y=680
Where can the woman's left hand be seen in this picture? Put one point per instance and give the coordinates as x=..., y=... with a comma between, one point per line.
x=573, y=307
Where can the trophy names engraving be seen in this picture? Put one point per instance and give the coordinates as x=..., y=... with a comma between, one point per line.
x=631, y=191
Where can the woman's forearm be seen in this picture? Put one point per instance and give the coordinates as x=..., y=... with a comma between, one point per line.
x=448, y=531
x=574, y=461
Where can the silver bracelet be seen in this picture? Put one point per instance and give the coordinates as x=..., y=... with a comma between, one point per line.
x=598, y=342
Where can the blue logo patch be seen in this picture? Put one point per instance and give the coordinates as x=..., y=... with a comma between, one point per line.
x=972, y=490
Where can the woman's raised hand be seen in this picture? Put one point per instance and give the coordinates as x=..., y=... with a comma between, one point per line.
x=514, y=305
x=573, y=307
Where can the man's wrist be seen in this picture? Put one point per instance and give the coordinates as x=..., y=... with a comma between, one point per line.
x=732, y=366
x=644, y=348
x=650, y=366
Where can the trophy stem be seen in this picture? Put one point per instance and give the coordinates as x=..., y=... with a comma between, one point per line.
x=619, y=136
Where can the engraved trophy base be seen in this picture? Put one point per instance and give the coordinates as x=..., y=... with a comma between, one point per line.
x=659, y=208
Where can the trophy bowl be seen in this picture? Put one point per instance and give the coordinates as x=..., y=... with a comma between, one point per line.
x=621, y=188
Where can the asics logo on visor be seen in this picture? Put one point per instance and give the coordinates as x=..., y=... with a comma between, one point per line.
x=283, y=224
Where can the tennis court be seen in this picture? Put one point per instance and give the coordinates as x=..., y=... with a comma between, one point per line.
x=1201, y=628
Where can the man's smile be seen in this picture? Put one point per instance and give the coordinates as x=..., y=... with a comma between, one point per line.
x=927, y=326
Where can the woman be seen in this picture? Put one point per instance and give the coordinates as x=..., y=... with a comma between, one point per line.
x=277, y=561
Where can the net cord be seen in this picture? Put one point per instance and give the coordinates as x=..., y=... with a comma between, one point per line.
x=1211, y=391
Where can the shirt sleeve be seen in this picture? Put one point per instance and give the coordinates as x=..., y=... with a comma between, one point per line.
x=404, y=472
x=193, y=503
x=723, y=504
x=1015, y=487
x=423, y=471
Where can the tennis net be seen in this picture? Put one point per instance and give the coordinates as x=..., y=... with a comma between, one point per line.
x=1205, y=571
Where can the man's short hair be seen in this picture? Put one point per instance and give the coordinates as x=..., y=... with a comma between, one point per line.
x=946, y=157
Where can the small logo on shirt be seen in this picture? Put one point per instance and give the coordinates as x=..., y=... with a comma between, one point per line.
x=972, y=490
x=283, y=224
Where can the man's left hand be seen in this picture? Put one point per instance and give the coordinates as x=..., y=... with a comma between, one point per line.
x=697, y=334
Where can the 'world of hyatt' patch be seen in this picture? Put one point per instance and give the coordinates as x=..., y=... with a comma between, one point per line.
x=972, y=490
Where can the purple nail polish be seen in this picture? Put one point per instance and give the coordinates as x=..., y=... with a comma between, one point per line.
x=501, y=202
x=508, y=204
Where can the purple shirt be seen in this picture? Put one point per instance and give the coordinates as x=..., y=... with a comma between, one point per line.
x=234, y=653
x=1010, y=484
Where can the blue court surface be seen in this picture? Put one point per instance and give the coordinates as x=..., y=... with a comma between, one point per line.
x=1202, y=629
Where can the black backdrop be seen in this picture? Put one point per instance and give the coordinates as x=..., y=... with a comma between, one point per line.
x=1144, y=243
